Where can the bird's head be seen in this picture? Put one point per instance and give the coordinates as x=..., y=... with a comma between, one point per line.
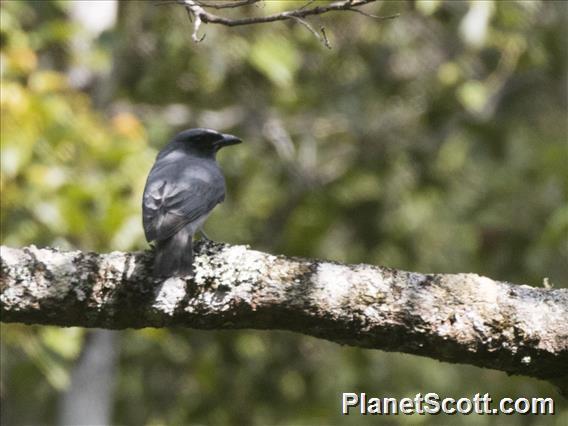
x=206, y=141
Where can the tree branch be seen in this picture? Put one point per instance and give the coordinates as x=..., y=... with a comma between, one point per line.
x=462, y=318
x=323, y=37
x=198, y=8
x=227, y=4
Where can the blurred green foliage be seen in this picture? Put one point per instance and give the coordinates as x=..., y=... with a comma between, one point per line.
x=435, y=142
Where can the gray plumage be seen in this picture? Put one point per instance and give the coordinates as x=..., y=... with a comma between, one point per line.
x=184, y=185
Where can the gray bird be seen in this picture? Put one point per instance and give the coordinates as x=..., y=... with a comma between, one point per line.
x=184, y=185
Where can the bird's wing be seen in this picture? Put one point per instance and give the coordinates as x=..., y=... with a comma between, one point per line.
x=168, y=207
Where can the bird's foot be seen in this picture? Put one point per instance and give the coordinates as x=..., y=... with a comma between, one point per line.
x=204, y=236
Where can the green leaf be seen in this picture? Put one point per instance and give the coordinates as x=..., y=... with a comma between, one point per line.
x=276, y=58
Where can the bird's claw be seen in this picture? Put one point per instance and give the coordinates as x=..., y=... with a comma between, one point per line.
x=204, y=236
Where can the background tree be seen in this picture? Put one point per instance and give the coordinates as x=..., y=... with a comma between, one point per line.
x=435, y=142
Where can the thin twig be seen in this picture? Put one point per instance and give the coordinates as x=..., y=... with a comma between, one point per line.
x=226, y=4
x=322, y=37
x=210, y=18
x=307, y=4
x=165, y=2
x=197, y=9
x=369, y=15
x=196, y=25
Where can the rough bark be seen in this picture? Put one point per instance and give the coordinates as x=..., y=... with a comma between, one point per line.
x=462, y=318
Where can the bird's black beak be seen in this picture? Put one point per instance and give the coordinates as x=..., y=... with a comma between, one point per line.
x=227, y=140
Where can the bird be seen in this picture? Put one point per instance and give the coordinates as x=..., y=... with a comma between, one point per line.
x=182, y=188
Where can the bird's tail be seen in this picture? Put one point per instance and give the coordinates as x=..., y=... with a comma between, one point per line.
x=174, y=256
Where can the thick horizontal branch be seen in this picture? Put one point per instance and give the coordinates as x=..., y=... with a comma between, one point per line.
x=462, y=318
x=198, y=10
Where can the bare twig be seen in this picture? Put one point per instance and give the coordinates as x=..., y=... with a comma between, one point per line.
x=196, y=25
x=369, y=15
x=198, y=9
x=210, y=18
x=306, y=5
x=226, y=4
x=322, y=37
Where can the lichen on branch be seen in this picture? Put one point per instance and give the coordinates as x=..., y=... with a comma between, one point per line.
x=463, y=318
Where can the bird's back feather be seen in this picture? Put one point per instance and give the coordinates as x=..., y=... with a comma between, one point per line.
x=180, y=192
x=177, y=194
